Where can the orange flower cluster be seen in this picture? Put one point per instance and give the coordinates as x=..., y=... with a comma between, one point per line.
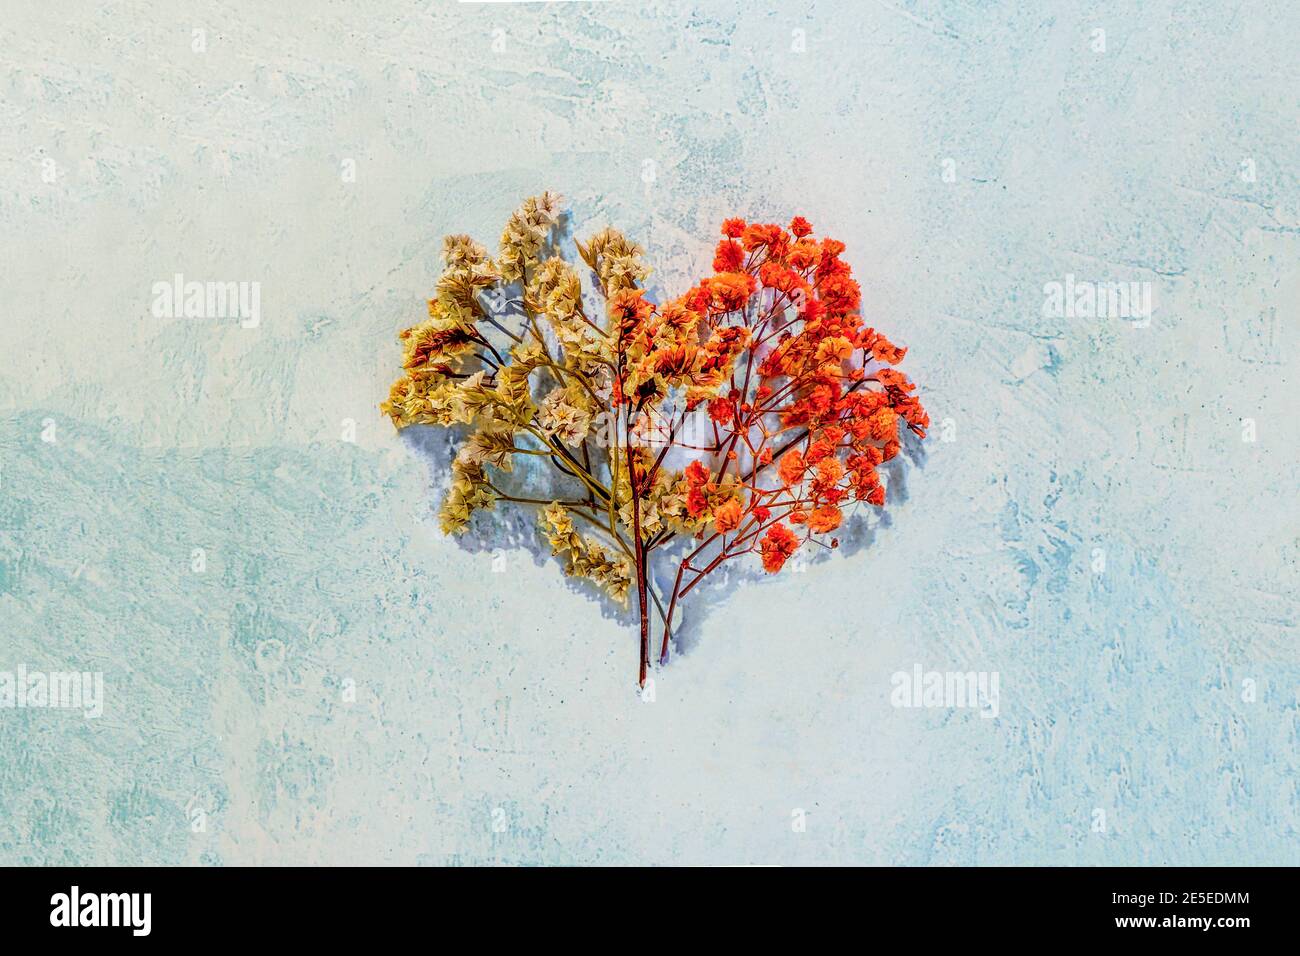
x=775, y=346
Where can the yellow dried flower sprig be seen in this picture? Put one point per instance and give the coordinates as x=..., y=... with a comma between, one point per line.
x=523, y=391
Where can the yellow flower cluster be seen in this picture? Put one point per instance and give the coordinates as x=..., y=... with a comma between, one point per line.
x=526, y=234
x=433, y=350
x=615, y=260
x=566, y=413
x=420, y=398
x=513, y=396
x=584, y=557
x=469, y=492
x=469, y=270
x=556, y=293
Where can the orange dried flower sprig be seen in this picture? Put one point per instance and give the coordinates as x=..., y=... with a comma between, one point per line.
x=745, y=415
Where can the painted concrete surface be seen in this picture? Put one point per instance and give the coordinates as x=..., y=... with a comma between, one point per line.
x=298, y=668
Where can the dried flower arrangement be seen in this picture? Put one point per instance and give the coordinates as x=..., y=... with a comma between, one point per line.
x=744, y=416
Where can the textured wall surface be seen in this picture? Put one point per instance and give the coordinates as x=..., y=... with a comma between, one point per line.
x=1106, y=513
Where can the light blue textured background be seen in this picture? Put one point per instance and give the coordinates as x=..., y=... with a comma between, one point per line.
x=480, y=693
